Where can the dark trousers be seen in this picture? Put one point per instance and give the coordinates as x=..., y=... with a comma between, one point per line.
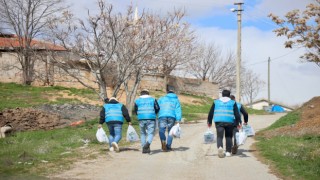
x=225, y=129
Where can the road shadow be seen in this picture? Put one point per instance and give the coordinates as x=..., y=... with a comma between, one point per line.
x=128, y=149
x=181, y=148
x=241, y=152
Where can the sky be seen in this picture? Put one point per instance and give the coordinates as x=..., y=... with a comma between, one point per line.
x=292, y=81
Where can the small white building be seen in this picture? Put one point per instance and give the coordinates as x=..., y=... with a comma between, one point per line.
x=262, y=104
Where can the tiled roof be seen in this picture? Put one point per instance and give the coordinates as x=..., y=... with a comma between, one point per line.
x=9, y=43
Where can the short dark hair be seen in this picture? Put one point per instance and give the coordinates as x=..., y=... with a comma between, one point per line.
x=170, y=89
x=144, y=92
x=225, y=93
x=232, y=97
x=106, y=100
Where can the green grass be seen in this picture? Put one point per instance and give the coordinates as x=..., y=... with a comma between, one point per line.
x=255, y=111
x=15, y=95
x=36, y=153
x=292, y=157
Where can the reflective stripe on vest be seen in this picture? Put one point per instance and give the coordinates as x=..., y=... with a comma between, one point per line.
x=113, y=112
x=223, y=111
x=146, y=108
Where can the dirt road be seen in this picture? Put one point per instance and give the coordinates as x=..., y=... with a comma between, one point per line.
x=191, y=159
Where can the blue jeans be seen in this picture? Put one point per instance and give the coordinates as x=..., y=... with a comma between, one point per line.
x=115, y=133
x=147, y=128
x=164, y=123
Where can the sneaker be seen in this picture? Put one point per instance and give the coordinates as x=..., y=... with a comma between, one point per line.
x=111, y=149
x=220, y=153
x=146, y=148
x=163, y=146
x=228, y=154
x=234, y=149
x=115, y=146
x=169, y=148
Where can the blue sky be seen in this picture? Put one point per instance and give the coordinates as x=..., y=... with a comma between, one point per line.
x=292, y=82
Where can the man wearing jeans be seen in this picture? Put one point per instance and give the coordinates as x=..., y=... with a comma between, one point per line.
x=225, y=113
x=146, y=107
x=169, y=114
x=113, y=113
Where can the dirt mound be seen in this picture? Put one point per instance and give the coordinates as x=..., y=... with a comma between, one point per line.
x=308, y=124
x=47, y=116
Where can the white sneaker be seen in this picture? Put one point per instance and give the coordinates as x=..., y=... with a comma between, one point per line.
x=111, y=149
x=220, y=153
x=228, y=154
x=115, y=146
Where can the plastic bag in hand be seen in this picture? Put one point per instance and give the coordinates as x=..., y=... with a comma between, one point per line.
x=248, y=130
x=132, y=135
x=175, y=131
x=209, y=137
x=241, y=138
x=102, y=136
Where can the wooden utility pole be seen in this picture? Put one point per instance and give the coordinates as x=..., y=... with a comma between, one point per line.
x=269, y=81
x=238, y=93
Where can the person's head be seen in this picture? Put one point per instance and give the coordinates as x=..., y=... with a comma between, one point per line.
x=106, y=100
x=144, y=92
x=170, y=89
x=232, y=97
x=225, y=93
x=113, y=98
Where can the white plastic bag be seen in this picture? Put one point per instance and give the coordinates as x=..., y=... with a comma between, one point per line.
x=209, y=137
x=248, y=130
x=175, y=131
x=102, y=136
x=241, y=138
x=132, y=135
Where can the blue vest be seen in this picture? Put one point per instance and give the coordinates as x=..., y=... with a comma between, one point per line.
x=113, y=112
x=239, y=106
x=167, y=107
x=223, y=111
x=146, y=108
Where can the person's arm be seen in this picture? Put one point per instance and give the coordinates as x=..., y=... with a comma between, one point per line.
x=136, y=108
x=210, y=115
x=156, y=106
x=125, y=114
x=178, y=111
x=236, y=114
x=245, y=114
x=102, y=117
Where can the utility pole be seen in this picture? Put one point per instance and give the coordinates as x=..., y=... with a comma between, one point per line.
x=269, y=81
x=239, y=10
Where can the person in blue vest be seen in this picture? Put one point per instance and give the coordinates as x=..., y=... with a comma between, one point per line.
x=242, y=111
x=146, y=108
x=169, y=115
x=225, y=114
x=113, y=114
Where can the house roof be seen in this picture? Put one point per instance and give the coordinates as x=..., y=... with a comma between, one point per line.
x=11, y=42
x=272, y=102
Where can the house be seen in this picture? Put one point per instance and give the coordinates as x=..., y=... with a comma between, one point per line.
x=263, y=104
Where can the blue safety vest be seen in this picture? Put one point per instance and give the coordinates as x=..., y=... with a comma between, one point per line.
x=146, y=108
x=170, y=106
x=113, y=112
x=223, y=111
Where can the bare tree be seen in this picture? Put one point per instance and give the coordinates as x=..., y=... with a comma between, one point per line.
x=302, y=30
x=28, y=20
x=251, y=85
x=91, y=43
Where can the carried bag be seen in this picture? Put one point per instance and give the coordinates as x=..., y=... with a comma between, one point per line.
x=132, y=135
x=248, y=130
x=209, y=137
x=175, y=131
x=102, y=136
x=241, y=138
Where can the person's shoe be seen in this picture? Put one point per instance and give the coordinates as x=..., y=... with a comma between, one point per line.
x=115, y=146
x=146, y=148
x=163, y=146
x=169, y=148
x=111, y=149
x=228, y=154
x=234, y=149
x=220, y=153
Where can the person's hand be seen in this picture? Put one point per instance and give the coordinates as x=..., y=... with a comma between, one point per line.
x=209, y=125
x=239, y=127
x=245, y=124
x=130, y=123
x=177, y=122
x=99, y=126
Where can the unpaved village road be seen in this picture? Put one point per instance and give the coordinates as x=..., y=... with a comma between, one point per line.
x=191, y=159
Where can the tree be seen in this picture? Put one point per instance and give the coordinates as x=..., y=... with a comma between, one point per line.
x=251, y=85
x=28, y=20
x=302, y=30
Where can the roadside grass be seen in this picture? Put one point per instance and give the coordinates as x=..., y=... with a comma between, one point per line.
x=292, y=157
x=38, y=153
x=14, y=95
x=257, y=112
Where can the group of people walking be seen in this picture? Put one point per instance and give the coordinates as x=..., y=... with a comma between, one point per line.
x=224, y=111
